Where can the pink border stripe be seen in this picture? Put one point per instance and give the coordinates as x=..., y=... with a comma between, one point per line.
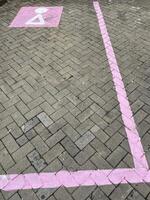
x=139, y=174
x=73, y=179
x=126, y=112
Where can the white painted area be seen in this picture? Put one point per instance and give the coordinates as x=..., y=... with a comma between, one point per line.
x=41, y=10
x=38, y=19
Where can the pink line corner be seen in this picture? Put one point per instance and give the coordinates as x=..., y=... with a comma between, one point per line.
x=135, y=144
x=139, y=174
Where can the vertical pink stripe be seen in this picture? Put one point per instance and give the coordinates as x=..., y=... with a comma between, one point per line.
x=127, y=115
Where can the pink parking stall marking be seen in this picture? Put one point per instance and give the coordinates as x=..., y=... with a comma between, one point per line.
x=139, y=174
x=74, y=179
x=136, y=149
x=37, y=17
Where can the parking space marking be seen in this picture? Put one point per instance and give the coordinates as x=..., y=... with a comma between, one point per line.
x=37, y=17
x=126, y=112
x=139, y=174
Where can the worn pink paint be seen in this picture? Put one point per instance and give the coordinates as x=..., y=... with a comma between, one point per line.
x=130, y=126
x=73, y=179
x=139, y=174
x=50, y=18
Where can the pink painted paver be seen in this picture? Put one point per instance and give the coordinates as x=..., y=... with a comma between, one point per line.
x=37, y=17
x=139, y=174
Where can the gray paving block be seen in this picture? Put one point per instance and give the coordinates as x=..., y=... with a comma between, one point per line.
x=44, y=118
x=84, y=140
x=30, y=124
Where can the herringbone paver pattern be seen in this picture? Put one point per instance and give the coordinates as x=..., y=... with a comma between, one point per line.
x=58, y=107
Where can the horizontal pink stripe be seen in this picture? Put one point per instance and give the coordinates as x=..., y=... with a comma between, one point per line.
x=73, y=179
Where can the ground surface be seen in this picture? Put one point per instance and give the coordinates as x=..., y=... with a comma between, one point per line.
x=63, y=73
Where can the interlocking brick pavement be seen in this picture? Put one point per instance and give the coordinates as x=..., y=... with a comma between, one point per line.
x=58, y=106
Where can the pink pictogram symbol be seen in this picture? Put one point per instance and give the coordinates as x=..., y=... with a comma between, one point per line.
x=38, y=17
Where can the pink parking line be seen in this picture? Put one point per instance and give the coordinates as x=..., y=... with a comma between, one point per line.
x=73, y=179
x=139, y=174
x=126, y=112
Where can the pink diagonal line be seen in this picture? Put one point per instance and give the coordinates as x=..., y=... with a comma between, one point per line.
x=130, y=126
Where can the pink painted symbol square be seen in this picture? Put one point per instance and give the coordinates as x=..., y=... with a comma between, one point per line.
x=38, y=17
